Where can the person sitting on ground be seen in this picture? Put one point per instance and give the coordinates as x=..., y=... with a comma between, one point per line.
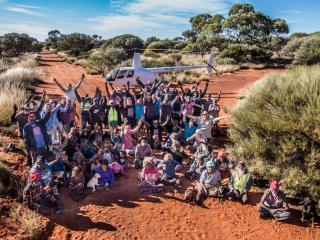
x=35, y=196
x=195, y=140
x=76, y=183
x=274, y=203
x=240, y=184
x=117, y=168
x=150, y=177
x=107, y=178
x=142, y=150
x=209, y=183
x=169, y=167
x=70, y=90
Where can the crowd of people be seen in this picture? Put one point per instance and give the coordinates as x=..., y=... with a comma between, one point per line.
x=124, y=129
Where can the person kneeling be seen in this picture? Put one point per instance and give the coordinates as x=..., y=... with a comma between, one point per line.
x=107, y=178
x=209, y=183
x=273, y=203
x=240, y=184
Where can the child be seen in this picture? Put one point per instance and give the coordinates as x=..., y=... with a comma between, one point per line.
x=149, y=177
x=169, y=167
x=123, y=159
x=107, y=178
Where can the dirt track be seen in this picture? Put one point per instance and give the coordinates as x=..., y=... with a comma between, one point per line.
x=124, y=213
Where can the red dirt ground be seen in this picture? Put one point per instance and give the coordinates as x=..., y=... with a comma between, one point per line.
x=123, y=213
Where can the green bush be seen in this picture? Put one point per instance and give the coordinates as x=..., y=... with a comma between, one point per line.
x=309, y=51
x=221, y=61
x=291, y=47
x=151, y=54
x=245, y=52
x=4, y=178
x=75, y=43
x=276, y=130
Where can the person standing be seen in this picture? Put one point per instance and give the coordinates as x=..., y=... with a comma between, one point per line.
x=35, y=136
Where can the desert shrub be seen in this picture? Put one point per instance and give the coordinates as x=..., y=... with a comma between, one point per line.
x=245, y=52
x=151, y=54
x=28, y=61
x=291, y=47
x=275, y=130
x=163, y=62
x=29, y=221
x=309, y=51
x=227, y=68
x=4, y=178
x=222, y=61
x=176, y=57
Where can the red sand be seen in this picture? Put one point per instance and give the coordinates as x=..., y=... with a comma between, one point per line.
x=123, y=213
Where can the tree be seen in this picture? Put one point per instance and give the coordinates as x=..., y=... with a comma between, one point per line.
x=130, y=43
x=14, y=44
x=100, y=60
x=53, y=37
x=150, y=40
x=75, y=43
x=275, y=130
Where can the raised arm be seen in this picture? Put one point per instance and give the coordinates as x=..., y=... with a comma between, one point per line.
x=79, y=83
x=78, y=96
x=41, y=103
x=180, y=85
x=202, y=94
x=107, y=90
x=59, y=85
x=219, y=96
x=140, y=84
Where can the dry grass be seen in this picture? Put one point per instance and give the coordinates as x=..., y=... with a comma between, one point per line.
x=21, y=75
x=227, y=68
x=29, y=221
x=81, y=62
x=10, y=94
x=28, y=61
x=71, y=59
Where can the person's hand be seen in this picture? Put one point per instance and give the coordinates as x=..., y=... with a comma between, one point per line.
x=44, y=93
x=107, y=185
x=83, y=76
x=220, y=91
x=15, y=107
x=54, y=79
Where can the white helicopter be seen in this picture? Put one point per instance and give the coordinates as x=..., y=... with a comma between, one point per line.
x=122, y=75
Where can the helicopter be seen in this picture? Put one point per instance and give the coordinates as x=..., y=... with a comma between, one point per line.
x=122, y=75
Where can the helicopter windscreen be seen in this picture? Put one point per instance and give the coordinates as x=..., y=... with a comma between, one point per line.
x=112, y=75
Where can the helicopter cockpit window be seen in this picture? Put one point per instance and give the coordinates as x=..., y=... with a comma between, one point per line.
x=122, y=74
x=112, y=75
x=130, y=73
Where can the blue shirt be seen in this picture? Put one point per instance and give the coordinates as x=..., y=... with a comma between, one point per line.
x=139, y=111
x=38, y=136
x=170, y=168
x=188, y=132
x=156, y=109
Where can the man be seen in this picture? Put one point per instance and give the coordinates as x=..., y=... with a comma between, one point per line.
x=35, y=136
x=36, y=197
x=142, y=150
x=70, y=91
x=169, y=166
x=22, y=117
x=273, y=203
x=96, y=113
x=209, y=182
x=206, y=123
x=240, y=184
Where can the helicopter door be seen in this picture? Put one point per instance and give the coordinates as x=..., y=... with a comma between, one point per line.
x=122, y=74
x=130, y=74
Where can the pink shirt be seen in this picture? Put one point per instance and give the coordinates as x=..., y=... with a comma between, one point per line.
x=116, y=167
x=127, y=140
x=150, y=175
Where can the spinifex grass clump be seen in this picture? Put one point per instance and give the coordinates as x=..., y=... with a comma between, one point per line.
x=276, y=130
